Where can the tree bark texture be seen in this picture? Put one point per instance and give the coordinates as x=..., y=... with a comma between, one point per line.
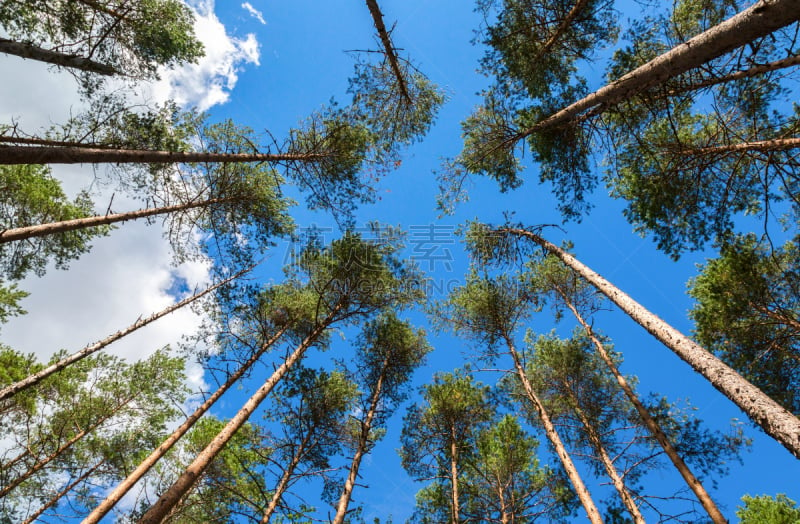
x=33, y=52
x=552, y=435
x=116, y=495
x=170, y=498
x=693, y=482
x=774, y=419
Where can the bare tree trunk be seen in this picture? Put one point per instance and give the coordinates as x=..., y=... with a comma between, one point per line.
x=775, y=144
x=37, y=377
x=388, y=48
x=774, y=419
x=58, y=496
x=608, y=464
x=552, y=435
x=63, y=226
x=708, y=82
x=116, y=495
x=159, y=511
x=88, y=155
x=366, y=427
x=280, y=489
x=454, y=475
x=758, y=20
x=33, y=52
x=573, y=13
x=738, y=75
x=693, y=482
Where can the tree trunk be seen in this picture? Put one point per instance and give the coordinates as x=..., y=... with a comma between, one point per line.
x=366, y=426
x=115, y=496
x=159, y=511
x=774, y=419
x=758, y=20
x=388, y=48
x=775, y=144
x=454, y=475
x=10, y=139
x=33, y=52
x=708, y=82
x=280, y=489
x=58, y=496
x=552, y=435
x=89, y=155
x=573, y=13
x=37, y=377
x=52, y=228
x=693, y=482
x=738, y=75
x=608, y=464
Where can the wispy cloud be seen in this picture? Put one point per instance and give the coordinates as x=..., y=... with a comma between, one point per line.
x=255, y=13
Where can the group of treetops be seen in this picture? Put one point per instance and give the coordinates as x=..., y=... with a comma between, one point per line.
x=84, y=430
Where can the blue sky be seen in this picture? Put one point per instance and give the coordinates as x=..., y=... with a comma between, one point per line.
x=270, y=75
x=303, y=63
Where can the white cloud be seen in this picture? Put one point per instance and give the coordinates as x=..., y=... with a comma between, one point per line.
x=210, y=81
x=255, y=13
x=127, y=274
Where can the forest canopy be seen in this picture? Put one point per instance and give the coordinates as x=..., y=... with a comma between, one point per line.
x=509, y=261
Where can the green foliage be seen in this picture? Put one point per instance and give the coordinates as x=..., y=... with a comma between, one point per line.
x=748, y=302
x=486, y=310
x=358, y=276
x=312, y=408
x=768, y=510
x=533, y=47
x=336, y=180
x=231, y=484
x=29, y=195
x=393, y=120
x=667, y=156
x=443, y=428
x=135, y=40
x=253, y=209
x=390, y=349
x=9, y=301
x=505, y=481
x=99, y=410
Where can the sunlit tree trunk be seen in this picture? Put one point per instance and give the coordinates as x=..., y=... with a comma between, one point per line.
x=775, y=144
x=52, y=228
x=116, y=495
x=33, y=52
x=37, y=377
x=92, y=155
x=454, y=475
x=759, y=20
x=170, y=498
x=693, y=482
x=552, y=435
x=774, y=419
x=361, y=447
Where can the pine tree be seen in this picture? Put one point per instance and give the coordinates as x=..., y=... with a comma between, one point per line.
x=387, y=353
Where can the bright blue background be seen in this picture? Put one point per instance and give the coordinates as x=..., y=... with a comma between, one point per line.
x=303, y=64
